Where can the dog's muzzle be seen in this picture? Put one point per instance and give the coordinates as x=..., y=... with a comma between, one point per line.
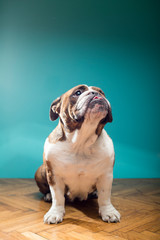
x=90, y=101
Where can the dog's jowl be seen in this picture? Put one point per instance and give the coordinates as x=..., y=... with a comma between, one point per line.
x=78, y=154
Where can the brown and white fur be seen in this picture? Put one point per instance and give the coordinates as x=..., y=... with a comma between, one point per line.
x=78, y=155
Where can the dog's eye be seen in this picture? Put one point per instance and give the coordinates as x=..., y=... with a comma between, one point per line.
x=77, y=93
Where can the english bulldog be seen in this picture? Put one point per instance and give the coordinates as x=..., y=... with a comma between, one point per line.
x=78, y=154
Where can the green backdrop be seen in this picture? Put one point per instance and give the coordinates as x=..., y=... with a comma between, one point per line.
x=47, y=47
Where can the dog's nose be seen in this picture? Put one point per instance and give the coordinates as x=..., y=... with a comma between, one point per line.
x=96, y=95
x=93, y=93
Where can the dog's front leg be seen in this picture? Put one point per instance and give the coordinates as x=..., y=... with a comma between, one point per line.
x=106, y=209
x=57, y=210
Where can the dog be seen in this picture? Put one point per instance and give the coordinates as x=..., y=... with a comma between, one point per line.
x=78, y=154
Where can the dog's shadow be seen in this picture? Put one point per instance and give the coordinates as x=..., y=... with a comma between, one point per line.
x=88, y=207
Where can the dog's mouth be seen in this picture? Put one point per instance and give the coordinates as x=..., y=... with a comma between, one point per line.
x=97, y=97
x=95, y=104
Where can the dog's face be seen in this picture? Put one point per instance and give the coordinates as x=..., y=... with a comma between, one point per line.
x=79, y=104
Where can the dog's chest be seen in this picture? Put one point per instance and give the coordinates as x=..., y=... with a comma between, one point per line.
x=79, y=171
x=66, y=162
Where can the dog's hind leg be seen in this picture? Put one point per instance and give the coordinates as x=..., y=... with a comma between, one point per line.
x=42, y=183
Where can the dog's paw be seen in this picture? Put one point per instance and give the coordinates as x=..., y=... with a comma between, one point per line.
x=109, y=214
x=48, y=197
x=54, y=215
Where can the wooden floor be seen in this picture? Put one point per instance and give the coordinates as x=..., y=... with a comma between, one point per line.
x=22, y=209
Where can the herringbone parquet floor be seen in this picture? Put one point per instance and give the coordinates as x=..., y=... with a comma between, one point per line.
x=22, y=209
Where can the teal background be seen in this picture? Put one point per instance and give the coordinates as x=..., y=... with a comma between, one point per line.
x=47, y=47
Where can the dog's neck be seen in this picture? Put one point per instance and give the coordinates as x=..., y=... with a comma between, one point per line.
x=82, y=140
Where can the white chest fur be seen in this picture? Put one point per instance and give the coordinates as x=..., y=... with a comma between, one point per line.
x=80, y=170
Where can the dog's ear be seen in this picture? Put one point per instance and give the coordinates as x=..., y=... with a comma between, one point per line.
x=109, y=117
x=103, y=122
x=55, y=109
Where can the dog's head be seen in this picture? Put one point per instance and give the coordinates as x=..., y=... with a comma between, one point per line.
x=79, y=104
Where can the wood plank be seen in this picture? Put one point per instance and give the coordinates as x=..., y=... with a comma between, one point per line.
x=22, y=209
x=151, y=235
x=132, y=235
x=56, y=236
x=17, y=236
x=33, y=236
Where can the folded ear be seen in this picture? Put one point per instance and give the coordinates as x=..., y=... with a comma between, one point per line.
x=55, y=109
x=102, y=123
x=109, y=117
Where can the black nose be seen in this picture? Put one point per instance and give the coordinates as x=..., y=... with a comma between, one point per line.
x=93, y=93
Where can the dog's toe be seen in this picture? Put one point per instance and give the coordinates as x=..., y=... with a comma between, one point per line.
x=110, y=218
x=53, y=216
x=110, y=214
